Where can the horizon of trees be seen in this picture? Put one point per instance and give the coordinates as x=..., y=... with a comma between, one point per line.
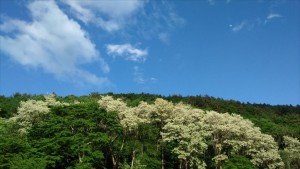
x=146, y=131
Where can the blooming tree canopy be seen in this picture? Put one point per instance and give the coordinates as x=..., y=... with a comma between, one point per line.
x=192, y=130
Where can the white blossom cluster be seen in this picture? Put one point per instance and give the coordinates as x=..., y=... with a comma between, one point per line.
x=50, y=99
x=130, y=117
x=194, y=129
x=32, y=111
x=186, y=127
x=241, y=137
x=292, y=145
x=291, y=151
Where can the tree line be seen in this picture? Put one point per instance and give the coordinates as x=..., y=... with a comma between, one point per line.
x=146, y=131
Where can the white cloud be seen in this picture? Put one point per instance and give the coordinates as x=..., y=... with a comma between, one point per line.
x=127, y=51
x=109, y=15
x=138, y=76
x=238, y=27
x=273, y=15
x=53, y=42
x=211, y=2
x=129, y=17
x=251, y=24
x=151, y=22
x=164, y=37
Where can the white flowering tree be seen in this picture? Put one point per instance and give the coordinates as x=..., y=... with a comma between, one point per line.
x=32, y=111
x=291, y=152
x=110, y=104
x=162, y=111
x=231, y=134
x=51, y=101
x=187, y=128
x=192, y=130
x=292, y=145
x=263, y=150
x=130, y=118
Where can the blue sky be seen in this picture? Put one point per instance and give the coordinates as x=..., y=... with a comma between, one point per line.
x=243, y=50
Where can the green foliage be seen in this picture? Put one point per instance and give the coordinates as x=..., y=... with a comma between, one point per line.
x=75, y=132
x=83, y=166
x=9, y=105
x=291, y=152
x=13, y=145
x=238, y=162
x=18, y=162
x=149, y=156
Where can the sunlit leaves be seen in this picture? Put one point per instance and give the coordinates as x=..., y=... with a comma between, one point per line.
x=78, y=133
x=193, y=130
x=30, y=112
x=291, y=152
x=110, y=132
x=234, y=135
x=130, y=117
x=186, y=128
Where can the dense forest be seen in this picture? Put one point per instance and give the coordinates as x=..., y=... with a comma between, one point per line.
x=146, y=131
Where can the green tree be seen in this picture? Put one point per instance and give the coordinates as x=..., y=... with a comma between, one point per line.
x=232, y=134
x=291, y=153
x=238, y=162
x=15, y=151
x=75, y=135
x=186, y=128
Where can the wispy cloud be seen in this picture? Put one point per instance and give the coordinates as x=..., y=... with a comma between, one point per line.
x=211, y=2
x=127, y=51
x=250, y=24
x=238, y=27
x=138, y=76
x=164, y=37
x=55, y=40
x=156, y=21
x=58, y=50
x=109, y=15
x=273, y=15
x=128, y=17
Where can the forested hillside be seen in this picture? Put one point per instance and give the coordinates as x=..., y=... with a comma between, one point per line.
x=146, y=131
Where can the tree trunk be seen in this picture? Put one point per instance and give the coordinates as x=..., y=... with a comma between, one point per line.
x=217, y=149
x=133, y=157
x=186, y=164
x=79, y=158
x=123, y=140
x=161, y=144
x=180, y=163
x=162, y=159
x=113, y=158
x=114, y=161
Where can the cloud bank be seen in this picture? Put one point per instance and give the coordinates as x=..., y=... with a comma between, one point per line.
x=45, y=42
x=54, y=37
